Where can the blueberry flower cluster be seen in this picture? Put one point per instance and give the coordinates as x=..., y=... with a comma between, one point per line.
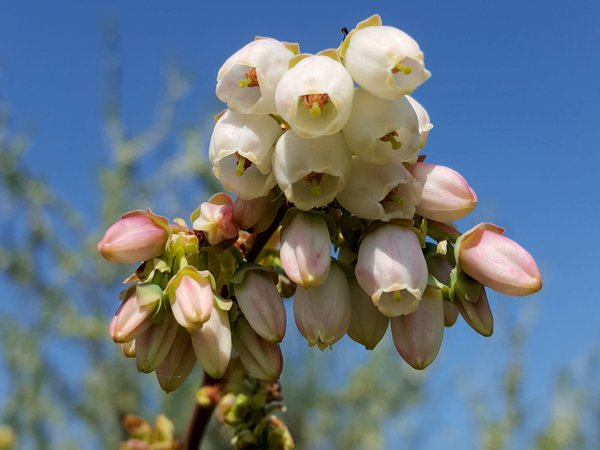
x=323, y=155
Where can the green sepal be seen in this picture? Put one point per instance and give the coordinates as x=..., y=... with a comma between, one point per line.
x=222, y=303
x=192, y=272
x=442, y=231
x=296, y=59
x=148, y=293
x=126, y=293
x=180, y=221
x=463, y=286
x=330, y=53
x=373, y=21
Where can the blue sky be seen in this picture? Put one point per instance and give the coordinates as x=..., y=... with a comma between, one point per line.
x=514, y=99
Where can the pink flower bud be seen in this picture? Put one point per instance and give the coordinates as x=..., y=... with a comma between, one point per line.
x=212, y=343
x=477, y=314
x=259, y=300
x=322, y=313
x=256, y=215
x=215, y=219
x=138, y=236
x=497, y=261
x=446, y=195
x=305, y=249
x=418, y=336
x=178, y=363
x=367, y=324
x=262, y=359
x=391, y=269
x=131, y=319
x=153, y=345
x=439, y=267
x=191, y=296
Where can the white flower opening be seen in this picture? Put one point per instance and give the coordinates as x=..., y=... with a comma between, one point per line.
x=248, y=79
x=380, y=192
x=311, y=172
x=240, y=151
x=382, y=131
x=315, y=96
x=385, y=61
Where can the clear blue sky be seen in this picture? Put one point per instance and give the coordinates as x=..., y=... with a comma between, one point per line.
x=514, y=98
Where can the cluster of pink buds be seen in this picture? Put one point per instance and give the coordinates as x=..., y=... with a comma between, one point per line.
x=322, y=152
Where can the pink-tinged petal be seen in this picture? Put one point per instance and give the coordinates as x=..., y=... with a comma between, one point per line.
x=446, y=194
x=215, y=219
x=191, y=297
x=262, y=359
x=138, y=236
x=418, y=336
x=131, y=319
x=305, y=250
x=390, y=260
x=497, y=261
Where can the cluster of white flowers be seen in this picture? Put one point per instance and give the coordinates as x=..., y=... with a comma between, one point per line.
x=320, y=150
x=338, y=124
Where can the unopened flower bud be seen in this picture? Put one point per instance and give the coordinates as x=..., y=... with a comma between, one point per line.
x=450, y=314
x=248, y=79
x=315, y=96
x=261, y=358
x=154, y=343
x=212, y=343
x=131, y=319
x=384, y=60
x=311, y=172
x=446, y=194
x=382, y=131
x=179, y=362
x=380, y=192
x=261, y=304
x=215, y=219
x=240, y=151
x=496, y=261
x=164, y=430
x=191, y=296
x=367, y=324
x=138, y=236
x=322, y=313
x=391, y=269
x=477, y=314
x=256, y=215
x=439, y=267
x=418, y=336
x=279, y=437
x=305, y=249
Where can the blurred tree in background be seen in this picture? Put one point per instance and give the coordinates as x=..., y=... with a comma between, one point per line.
x=68, y=387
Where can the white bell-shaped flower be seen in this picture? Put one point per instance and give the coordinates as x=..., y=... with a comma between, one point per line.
x=315, y=96
x=380, y=192
x=248, y=79
x=382, y=131
x=391, y=269
x=240, y=151
x=311, y=172
x=425, y=124
x=384, y=60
